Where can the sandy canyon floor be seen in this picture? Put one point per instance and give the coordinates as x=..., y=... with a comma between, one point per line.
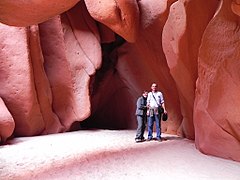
x=109, y=155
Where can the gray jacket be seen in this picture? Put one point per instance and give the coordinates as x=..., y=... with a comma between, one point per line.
x=141, y=106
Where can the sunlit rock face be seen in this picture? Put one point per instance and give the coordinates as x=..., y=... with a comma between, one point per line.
x=17, y=78
x=236, y=7
x=121, y=16
x=46, y=70
x=86, y=67
x=25, y=13
x=72, y=52
x=216, y=109
x=181, y=46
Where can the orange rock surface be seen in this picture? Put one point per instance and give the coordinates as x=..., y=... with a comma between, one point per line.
x=84, y=63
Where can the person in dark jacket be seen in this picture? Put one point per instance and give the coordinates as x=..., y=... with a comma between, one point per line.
x=141, y=113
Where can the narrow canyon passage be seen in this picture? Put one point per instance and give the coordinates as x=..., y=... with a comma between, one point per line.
x=108, y=154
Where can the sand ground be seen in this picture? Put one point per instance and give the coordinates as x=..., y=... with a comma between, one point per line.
x=109, y=155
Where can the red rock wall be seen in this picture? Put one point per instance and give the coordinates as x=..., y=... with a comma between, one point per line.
x=17, y=81
x=181, y=49
x=72, y=67
x=26, y=12
x=216, y=108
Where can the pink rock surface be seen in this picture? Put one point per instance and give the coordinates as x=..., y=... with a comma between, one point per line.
x=57, y=70
x=26, y=12
x=146, y=65
x=122, y=16
x=7, y=123
x=17, y=78
x=72, y=54
x=236, y=7
x=44, y=94
x=181, y=49
x=75, y=67
x=136, y=68
x=216, y=109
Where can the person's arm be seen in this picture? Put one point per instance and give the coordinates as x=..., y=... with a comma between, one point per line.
x=162, y=103
x=163, y=106
x=140, y=104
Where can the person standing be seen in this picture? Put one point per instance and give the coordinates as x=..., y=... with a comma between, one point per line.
x=156, y=106
x=141, y=113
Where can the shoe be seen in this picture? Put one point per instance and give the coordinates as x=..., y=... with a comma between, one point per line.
x=159, y=139
x=149, y=139
x=138, y=140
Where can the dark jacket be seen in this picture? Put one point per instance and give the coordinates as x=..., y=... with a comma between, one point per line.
x=141, y=106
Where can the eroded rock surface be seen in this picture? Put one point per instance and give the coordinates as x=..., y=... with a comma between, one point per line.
x=26, y=12
x=88, y=62
x=181, y=46
x=7, y=123
x=216, y=110
x=17, y=78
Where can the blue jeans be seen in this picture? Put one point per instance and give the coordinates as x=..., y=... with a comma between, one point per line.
x=157, y=119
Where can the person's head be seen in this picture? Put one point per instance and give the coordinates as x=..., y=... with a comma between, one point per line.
x=145, y=94
x=154, y=87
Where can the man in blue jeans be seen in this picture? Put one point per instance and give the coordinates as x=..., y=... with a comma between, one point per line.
x=155, y=104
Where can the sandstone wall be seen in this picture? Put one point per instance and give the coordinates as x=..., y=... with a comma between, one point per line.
x=66, y=62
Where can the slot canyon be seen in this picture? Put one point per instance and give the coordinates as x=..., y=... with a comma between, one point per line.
x=68, y=66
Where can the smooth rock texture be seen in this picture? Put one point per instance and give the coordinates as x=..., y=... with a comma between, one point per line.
x=17, y=78
x=26, y=12
x=44, y=94
x=86, y=63
x=122, y=16
x=7, y=123
x=216, y=110
x=72, y=54
x=181, y=46
x=236, y=7
x=57, y=70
